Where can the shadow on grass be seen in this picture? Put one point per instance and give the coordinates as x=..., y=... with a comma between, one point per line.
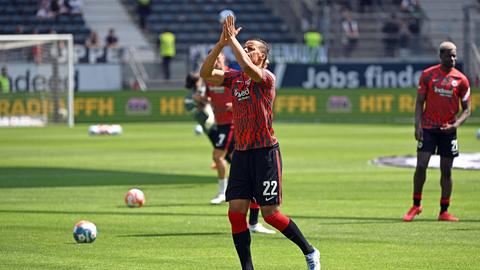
x=19, y=177
x=173, y=234
x=109, y=213
x=338, y=220
x=324, y=220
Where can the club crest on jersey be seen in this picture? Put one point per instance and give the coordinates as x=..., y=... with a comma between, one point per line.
x=454, y=83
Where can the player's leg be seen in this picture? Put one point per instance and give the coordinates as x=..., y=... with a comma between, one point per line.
x=273, y=216
x=218, y=138
x=253, y=224
x=448, y=150
x=268, y=193
x=419, y=178
x=218, y=156
x=237, y=215
x=425, y=149
x=239, y=192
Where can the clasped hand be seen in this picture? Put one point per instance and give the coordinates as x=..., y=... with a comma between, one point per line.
x=229, y=31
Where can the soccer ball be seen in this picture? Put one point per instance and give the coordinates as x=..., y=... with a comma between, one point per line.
x=84, y=232
x=198, y=130
x=134, y=198
x=224, y=14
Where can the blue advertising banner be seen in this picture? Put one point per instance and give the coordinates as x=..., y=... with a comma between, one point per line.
x=349, y=75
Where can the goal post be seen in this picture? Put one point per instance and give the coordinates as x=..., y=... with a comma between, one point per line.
x=38, y=71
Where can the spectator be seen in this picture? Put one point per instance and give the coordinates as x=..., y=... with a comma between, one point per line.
x=37, y=50
x=55, y=7
x=167, y=51
x=366, y=6
x=410, y=6
x=414, y=28
x=4, y=81
x=312, y=38
x=404, y=39
x=111, y=41
x=92, y=41
x=61, y=6
x=390, y=30
x=350, y=33
x=76, y=6
x=143, y=12
x=19, y=29
x=44, y=10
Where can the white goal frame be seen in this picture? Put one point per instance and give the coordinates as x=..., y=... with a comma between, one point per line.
x=29, y=40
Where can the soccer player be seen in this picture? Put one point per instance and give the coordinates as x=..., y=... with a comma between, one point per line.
x=441, y=89
x=197, y=102
x=256, y=169
x=221, y=98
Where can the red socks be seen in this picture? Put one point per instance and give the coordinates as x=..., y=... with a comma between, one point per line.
x=238, y=221
x=278, y=221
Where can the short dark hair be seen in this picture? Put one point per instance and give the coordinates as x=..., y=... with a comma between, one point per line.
x=191, y=80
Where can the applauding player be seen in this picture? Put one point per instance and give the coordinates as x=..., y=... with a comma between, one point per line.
x=220, y=98
x=256, y=169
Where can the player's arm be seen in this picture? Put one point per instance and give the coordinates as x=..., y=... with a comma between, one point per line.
x=421, y=97
x=466, y=108
x=466, y=111
x=207, y=72
x=241, y=56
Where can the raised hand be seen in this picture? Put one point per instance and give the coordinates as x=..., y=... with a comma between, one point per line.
x=229, y=30
x=223, y=38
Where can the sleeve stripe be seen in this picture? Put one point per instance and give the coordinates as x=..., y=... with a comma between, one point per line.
x=466, y=97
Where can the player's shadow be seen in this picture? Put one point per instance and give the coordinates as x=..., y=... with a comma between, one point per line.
x=173, y=234
x=18, y=177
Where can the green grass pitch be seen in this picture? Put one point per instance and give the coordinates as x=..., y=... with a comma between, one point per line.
x=50, y=178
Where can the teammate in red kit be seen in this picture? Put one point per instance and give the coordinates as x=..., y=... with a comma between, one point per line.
x=256, y=169
x=441, y=89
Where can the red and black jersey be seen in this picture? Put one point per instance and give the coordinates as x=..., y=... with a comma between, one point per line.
x=443, y=93
x=220, y=96
x=252, y=109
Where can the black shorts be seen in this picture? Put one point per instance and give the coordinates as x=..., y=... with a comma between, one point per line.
x=438, y=142
x=257, y=174
x=221, y=137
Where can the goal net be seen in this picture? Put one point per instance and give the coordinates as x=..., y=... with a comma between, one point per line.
x=36, y=80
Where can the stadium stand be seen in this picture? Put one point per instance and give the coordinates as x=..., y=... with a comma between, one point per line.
x=196, y=22
x=20, y=16
x=370, y=23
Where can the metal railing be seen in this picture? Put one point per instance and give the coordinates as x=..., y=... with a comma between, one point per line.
x=137, y=69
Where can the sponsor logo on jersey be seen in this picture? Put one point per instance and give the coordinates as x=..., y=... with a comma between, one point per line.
x=217, y=89
x=442, y=91
x=242, y=95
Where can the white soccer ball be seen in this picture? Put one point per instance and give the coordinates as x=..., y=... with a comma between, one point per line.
x=134, y=198
x=224, y=14
x=198, y=130
x=105, y=129
x=84, y=232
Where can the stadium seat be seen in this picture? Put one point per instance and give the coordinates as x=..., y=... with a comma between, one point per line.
x=23, y=13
